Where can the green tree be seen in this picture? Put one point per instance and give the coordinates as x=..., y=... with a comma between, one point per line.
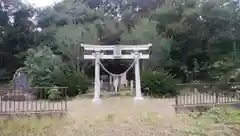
x=182, y=32
x=17, y=33
x=44, y=67
x=69, y=39
x=201, y=30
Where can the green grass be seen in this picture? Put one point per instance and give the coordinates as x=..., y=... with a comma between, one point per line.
x=216, y=121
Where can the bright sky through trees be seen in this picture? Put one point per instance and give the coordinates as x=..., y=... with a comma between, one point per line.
x=41, y=3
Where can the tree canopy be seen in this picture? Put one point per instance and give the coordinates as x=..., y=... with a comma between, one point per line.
x=190, y=37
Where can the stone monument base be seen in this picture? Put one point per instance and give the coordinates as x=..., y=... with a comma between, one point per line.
x=18, y=95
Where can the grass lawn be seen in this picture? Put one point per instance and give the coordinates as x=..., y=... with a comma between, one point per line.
x=119, y=116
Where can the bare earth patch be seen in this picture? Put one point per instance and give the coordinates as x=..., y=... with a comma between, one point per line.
x=119, y=116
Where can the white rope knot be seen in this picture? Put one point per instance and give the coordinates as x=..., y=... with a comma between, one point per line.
x=97, y=56
x=137, y=55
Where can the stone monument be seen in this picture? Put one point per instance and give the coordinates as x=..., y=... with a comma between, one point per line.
x=20, y=88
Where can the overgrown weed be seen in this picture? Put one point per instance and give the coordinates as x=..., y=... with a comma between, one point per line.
x=216, y=121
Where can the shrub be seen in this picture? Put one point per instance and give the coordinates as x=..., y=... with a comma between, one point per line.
x=77, y=83
x=54, y=94
x=157, y=83
x=48, y=70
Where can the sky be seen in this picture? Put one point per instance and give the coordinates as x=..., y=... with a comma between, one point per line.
x=41, y=3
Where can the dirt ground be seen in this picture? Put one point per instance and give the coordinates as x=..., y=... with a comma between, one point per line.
x=116, y=116
x=123, y=117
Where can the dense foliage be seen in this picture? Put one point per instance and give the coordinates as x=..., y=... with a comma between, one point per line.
x=48, y=70
x=45, y=68
x=192, y=39
x=158, y=83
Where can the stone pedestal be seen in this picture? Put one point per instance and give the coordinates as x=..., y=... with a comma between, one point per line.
x=96, y=100
x=18, y=95
x=138, y=98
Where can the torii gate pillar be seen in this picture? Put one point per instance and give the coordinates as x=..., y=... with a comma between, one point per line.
x=97, y=84
x=137, y=79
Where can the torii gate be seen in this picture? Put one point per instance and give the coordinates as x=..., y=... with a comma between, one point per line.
x=117, y=54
